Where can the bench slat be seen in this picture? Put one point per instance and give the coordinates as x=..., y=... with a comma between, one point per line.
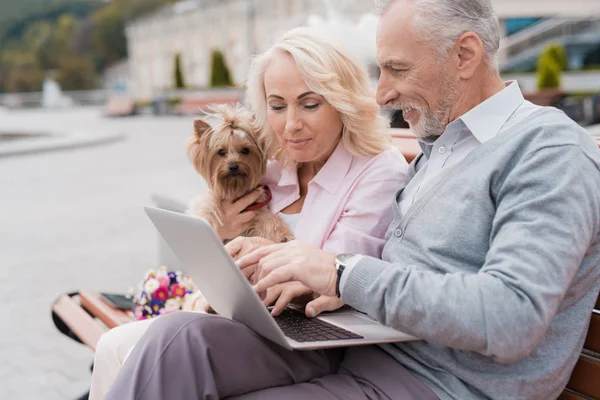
x=584, y=378
x=79, y=321
x=570, y=395
x=592, y=341
x=409, y=147
x=111, y=317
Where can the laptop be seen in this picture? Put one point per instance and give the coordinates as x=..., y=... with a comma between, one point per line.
x=203, y=256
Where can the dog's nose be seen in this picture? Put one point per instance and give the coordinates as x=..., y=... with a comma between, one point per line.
x=234, y=169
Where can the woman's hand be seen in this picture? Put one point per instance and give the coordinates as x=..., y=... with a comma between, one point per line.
x=235, y=220
x=241, y=246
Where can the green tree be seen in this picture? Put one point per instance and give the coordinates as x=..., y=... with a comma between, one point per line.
x=24, y=78
x=219, y=75
x=76, y=73
x=179, y=81
x=551, y=62
x=109, y=35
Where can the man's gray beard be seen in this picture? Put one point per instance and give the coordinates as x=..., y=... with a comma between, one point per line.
x=432, y=123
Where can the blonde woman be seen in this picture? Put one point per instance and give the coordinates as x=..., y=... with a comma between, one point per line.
x=333, y=175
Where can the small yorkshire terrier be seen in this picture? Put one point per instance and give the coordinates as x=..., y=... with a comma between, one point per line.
x=232, y=158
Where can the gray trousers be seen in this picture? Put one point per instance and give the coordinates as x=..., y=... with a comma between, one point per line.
x=199, y=356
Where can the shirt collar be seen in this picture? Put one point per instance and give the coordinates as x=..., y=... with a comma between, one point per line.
x=330, y=176
x=486, y=119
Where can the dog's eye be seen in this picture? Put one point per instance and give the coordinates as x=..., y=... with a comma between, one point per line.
x=245, y=150
x=221, y=153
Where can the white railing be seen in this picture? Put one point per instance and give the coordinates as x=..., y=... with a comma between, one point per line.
x=545, y=31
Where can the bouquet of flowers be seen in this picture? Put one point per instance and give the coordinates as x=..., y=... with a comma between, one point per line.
x=162, y=291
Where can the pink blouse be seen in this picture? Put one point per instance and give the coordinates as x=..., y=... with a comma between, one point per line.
x=348, y=206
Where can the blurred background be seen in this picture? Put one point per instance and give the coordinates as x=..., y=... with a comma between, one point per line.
x=97, y=99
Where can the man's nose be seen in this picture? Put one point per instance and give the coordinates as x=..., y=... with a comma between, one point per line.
x=385, y=93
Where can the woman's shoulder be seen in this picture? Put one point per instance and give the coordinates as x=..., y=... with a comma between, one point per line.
x=390, y=159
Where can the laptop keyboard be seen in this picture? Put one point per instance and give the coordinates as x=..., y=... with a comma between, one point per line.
x=299, y=327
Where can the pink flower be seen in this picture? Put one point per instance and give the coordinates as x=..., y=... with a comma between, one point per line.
x=178, y=290
x=162, y=293
x=164, y=280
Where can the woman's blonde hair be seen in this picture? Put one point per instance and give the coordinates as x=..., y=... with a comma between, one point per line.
x=330, y=71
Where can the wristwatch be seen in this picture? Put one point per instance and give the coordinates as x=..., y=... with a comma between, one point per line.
x=341, y=261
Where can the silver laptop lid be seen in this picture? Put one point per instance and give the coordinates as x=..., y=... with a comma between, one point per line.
x=204, y=258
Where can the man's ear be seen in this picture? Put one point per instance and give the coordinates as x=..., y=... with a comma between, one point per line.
x=470, y=52
x=201, y=127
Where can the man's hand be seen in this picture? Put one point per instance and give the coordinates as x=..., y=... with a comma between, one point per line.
x=289, y=292
x=283, y=294
x=322, y=303
x=293, y=261
x=241, y=246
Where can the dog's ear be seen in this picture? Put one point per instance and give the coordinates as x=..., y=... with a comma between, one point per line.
x=200, y=127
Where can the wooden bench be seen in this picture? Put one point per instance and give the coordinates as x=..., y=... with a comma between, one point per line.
x=88, y=316
x=545, y=97
x=194, y=105
x=119, y=106
x=406, y=141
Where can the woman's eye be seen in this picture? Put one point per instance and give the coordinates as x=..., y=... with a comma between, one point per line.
x=312, y=106
x=245, y=150
x=221, y=153
x=277, y=108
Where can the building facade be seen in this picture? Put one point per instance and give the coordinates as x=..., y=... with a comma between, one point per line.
x=239, y=28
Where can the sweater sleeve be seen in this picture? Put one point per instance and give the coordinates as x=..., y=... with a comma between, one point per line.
x=546, y=218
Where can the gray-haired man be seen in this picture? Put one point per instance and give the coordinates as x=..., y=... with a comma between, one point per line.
x=492, y=257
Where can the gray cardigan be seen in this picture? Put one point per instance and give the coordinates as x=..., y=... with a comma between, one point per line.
x=496, y=266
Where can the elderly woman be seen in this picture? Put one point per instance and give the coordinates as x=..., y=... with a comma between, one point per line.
x=333, y=172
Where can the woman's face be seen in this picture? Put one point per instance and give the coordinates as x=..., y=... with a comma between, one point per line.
x=305, y=125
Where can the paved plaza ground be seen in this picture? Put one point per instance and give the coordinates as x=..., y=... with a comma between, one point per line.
x=73, y=219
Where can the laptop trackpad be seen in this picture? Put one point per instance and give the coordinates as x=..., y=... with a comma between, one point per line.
x=362, y=325
x=349, y=318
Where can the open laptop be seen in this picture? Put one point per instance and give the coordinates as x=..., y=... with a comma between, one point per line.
x=204, y=258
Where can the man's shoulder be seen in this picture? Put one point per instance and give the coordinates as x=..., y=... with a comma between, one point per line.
x=534, y=127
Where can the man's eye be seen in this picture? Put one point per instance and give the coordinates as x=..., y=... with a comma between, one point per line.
x=245, y=150
x=221, y=153
x=397, y=70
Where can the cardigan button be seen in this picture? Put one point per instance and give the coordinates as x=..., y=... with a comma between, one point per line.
x=398, y=233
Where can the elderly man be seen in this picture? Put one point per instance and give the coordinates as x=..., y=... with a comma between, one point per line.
x=492, y=257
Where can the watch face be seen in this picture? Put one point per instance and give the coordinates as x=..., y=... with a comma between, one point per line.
x=344, y=258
